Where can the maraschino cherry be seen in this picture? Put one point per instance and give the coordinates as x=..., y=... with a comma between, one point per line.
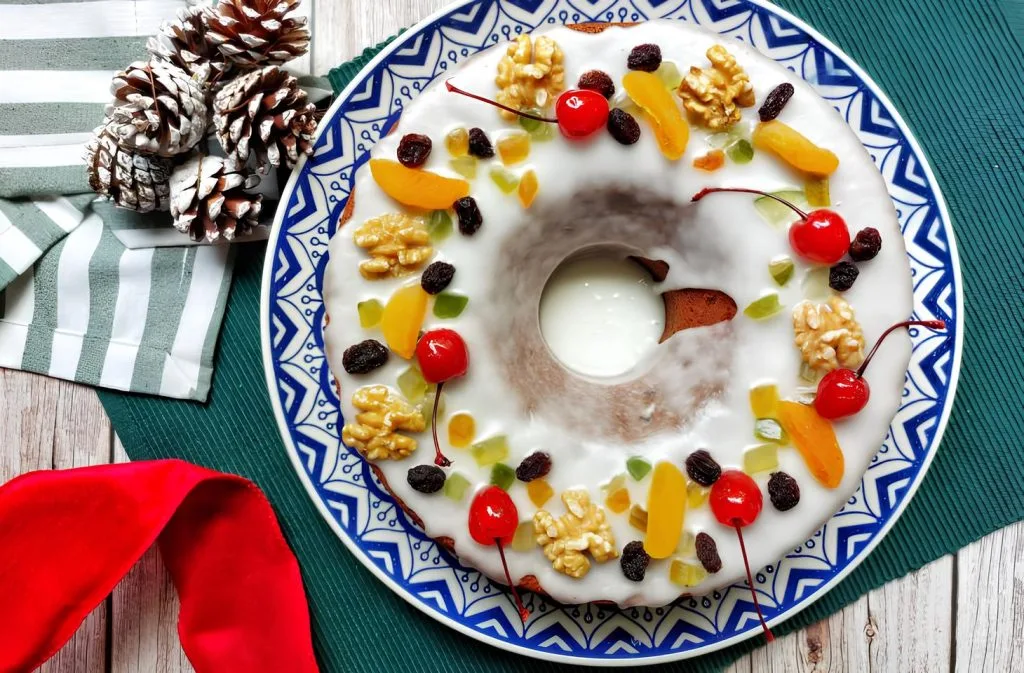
x=442, y=356
x=735, y=500
x=821, y=236
x=578, y=112
x=493, y=519
x=844, y=392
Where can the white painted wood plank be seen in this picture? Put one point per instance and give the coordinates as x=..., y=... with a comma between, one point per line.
x=839, y=643
x=990, y=603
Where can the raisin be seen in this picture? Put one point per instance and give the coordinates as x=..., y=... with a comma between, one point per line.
x=436, y=277
x=775, y=101
x=707, y=553
x=842, y=276
x=866, y=244
x=470, y=218
x=783, y=491
x=413, y=150
x=634, y=561
x=597, y=80
x=426, y=478
x=623, y=127
x=534, y=466
x=364, y=357
x=479, y=145
x=702, y=468
x=646, y=57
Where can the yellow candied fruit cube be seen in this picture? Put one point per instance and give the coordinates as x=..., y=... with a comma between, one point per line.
x=686, y=574
x=514, y=147
x=687, y=544
x=696, y=495
x=618, y=500
x=528, y=188
x=764, y=400
x=539, y=491
x=638, y=518
x=524, y=539
x=761, y=458
x=457, y=142
x=461, y=430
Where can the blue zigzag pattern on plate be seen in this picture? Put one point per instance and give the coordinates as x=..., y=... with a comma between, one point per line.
x=384, y=537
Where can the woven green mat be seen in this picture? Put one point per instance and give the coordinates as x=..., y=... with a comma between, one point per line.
x=953, y=69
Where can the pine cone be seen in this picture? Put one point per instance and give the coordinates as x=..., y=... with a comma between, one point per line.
x=183, y=42
x=254, y=33
x=132, y=180
x=158, y=108
x=208, y=199
x=266, y=113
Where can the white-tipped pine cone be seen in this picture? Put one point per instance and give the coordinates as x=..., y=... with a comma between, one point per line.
x=254, y=33
x=208, y=199
x=135, y=181
x=158, y=108
x=266, y=114
x=183, y=42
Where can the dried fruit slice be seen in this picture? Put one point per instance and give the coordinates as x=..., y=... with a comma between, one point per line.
x=789, y=145
x=461, y=430
x=528, y=188
x=415, y=187
x=370, y=312
x=539, y=491
x=403, y=317
x=816, y=441
x=660, y=109
x=666, y=507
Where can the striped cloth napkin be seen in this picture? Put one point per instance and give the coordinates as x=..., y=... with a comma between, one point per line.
x=89, y=292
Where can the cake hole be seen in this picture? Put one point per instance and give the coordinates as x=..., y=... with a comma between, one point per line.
x=600, y=314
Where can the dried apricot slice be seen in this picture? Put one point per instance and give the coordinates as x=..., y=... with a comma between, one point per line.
x=415, y=187
x=816, y=441
x=666, y=507
x=402, y=318
x=789, y=145
x=649, y=93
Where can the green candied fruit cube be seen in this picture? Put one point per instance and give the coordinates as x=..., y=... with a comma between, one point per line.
x=448, y=305
x=778, y=214
x=761, y=458
x=668, y=72
x=506, y=180
x=769, y=430
x=741, y=152
x=455, y=486
x=817, y=193
x=781, y=269
x=543, y=133
x=502, y=476
x=370, y=312
x=815, y=284
x=490, y=451
x=524, y=538
x=413, y=385
x=427, y=406
x=764, y=307
x=637, y=467
x=439, y=226
x=531, y=125
x=464, y=166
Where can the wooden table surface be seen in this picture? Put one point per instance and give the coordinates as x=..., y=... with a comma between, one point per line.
x=964, y=612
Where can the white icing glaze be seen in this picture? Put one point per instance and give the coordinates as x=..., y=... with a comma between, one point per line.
x=760, y=350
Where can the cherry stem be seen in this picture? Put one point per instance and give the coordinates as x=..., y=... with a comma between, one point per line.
x=524, y=614
x=455, y=89
x=930, y=324
x=439, y=458
x=711, y=190
x=750, y=580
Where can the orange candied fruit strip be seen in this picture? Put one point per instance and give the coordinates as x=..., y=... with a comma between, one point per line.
x=415, y=187
x=792, y=147
x=402, y=318
x=660, y=108
x=666, y=507
x=816, y=441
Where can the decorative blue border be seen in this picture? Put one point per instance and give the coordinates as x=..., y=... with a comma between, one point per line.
x=382, y=536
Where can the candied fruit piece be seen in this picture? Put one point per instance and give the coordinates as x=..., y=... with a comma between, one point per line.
x=461, y=430
x=778, y=214
x=762, y=458
x=696, y=495
x=816, y=284
x=464, y=166
x=764, y=400
x=649, y=93
x=448, y=305
x=490, y=451
x=816, y=190
x=686, y=574
x=616, y=482
x=741, y=151
x=439, y=226
x=427, y=406
x=666, y=507
x=720, y=141
x=506, y=180
x=528, y=188
x=457, y=142
x=711, y=161
x=668, y=73
x=763, y=307
x=502, y=476
x=413, y=385
x=637, y=467
x=769, y=430
x=543, y=133
x=416, y=187
x=514, y=148
x=530, y=125
x=638, y=518
x=455, y=486
x=687, y=544
x=540, y=491
x=781, y=269
x=524, y=539
x=809, y=373
x=402, y=319
x=618, y=500
x=789, y=145
x=370, y=312
x=815, y=439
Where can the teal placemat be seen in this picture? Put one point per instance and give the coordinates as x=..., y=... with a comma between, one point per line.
x=953, y=69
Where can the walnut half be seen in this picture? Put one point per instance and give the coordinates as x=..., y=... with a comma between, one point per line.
x=381, y=415
x=529, y=74
x=582, y=528
x=828, y=335
x=714, y=95
x=398, y=244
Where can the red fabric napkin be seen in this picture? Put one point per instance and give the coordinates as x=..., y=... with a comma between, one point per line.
x=67, y=537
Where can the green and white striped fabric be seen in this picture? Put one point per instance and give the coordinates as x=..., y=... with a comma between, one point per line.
x=85, y=294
